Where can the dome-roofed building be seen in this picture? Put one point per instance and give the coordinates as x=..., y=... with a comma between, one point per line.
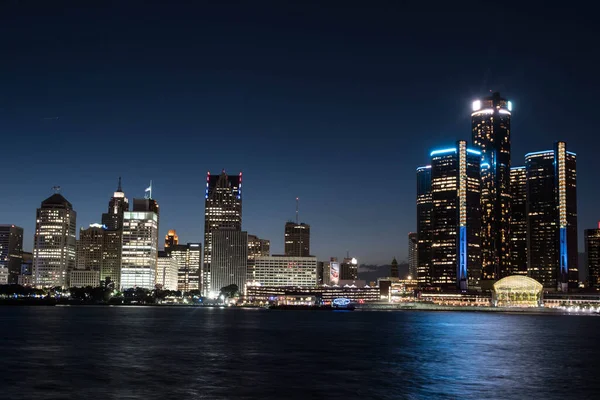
x=517, y=291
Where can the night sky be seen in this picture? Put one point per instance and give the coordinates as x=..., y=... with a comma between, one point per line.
x=336, y=104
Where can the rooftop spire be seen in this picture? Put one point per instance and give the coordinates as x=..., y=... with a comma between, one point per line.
x=297, y=217
x=119, y=189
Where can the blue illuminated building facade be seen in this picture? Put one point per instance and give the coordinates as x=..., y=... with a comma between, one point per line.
x=455, y=218
x=552, y=255
x=222, y=211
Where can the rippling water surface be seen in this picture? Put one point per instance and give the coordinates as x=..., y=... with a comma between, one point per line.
x=181, y=353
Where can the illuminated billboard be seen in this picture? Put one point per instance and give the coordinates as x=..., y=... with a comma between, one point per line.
x=334, y=273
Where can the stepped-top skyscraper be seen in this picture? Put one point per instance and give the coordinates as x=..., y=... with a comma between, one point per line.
x=110, y=272
x=222, y=210
x=118, y=204
x=490, y=122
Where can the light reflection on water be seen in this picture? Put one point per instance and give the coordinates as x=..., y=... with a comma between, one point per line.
x=154, y=352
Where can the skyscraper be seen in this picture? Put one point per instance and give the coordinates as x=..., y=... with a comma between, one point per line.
x=171, y=239
x=11, y=251
x=166, y=271
x=413, y=260
x=456, y=224
x=140, y=245
x=424, y=208
x=552, y=217
x=118, y=204
x=90, y=257
x=490, y=122
x=54, y=244
x=256, y=247
x=592, y=251
x=112, y=247
x=297, y=239
x=518, y=221
x=229, y=260
x=110, y=271
x=394, y=271
x=222, y=210
x=188, y=258
x=281, y=270
x=349, y=269
x=89, y=247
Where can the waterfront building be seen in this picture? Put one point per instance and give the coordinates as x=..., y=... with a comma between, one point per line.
x=222, y=210
x=256, y=247
x=140, y=245
x=166, y=271
x=229, y=260
x=413, y=260
x=455, y=218
x=324, y=295
x=424, y=208
x=518, y=221
x=188, y=259
x=282, y=270
x=54, y=243
x=552, y=217
x=349, y=269
x=11, y=251
x=592, y=252
x=517, y=291
x=171, y=239
x=84, y=278
x=490, y=124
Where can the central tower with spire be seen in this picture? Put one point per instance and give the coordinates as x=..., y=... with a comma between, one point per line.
x=113, y=219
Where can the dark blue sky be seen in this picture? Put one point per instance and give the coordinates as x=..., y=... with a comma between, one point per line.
x=336, y=104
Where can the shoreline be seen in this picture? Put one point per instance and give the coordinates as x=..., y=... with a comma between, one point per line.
x=359, y=307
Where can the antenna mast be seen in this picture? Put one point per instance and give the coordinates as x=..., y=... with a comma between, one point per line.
x=297, y=218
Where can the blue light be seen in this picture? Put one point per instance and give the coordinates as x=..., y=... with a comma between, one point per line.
x=462, y=255
x=564, y=264
x=485, y=165
x=474, y=152
x=443, y=151
x=537, y=153
x=423, y=167
x=571, y=153
x=341, y=301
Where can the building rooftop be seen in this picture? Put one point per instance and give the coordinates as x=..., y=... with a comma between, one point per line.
x=57, y=200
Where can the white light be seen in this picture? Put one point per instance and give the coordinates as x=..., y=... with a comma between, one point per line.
x=476, y=105
x=510, y=106
x=354, y=261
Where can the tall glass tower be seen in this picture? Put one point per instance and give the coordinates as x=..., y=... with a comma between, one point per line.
x=490, y=124
x=552, y=217
x=424, y=207
x=222, y=210
x=455, y=218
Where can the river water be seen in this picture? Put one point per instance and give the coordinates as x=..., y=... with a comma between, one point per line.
x=196, y=353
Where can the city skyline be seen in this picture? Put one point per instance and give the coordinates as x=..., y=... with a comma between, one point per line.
x=366, y=102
